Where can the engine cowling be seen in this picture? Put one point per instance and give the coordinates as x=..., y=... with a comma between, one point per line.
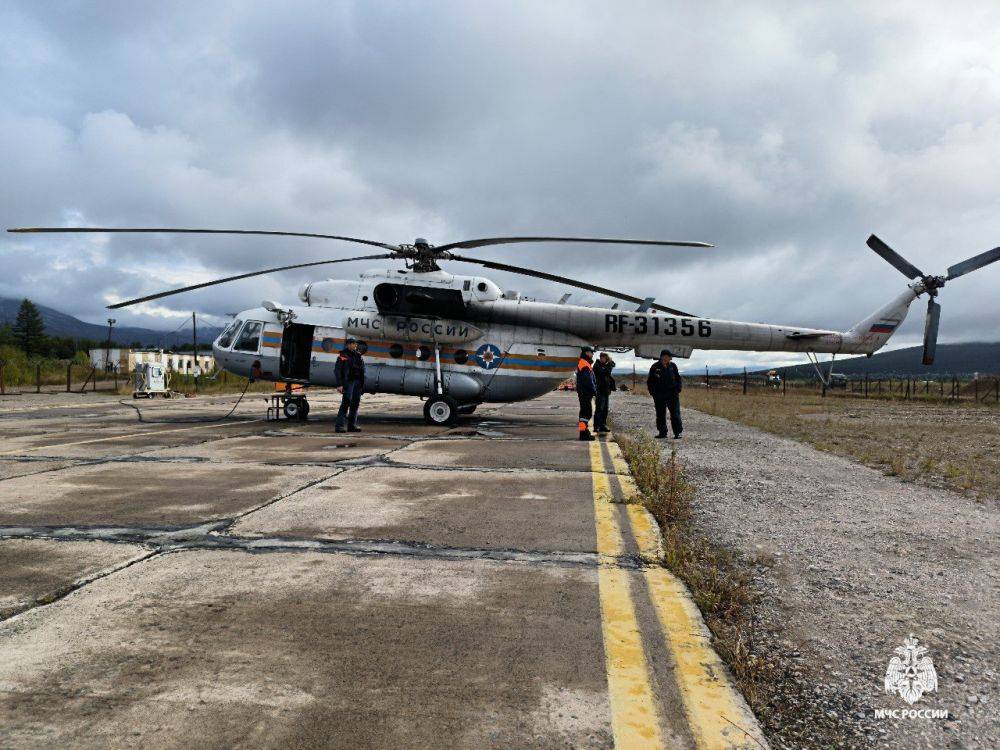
x=416, y=300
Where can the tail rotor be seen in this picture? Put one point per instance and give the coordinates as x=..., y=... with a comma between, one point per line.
x=931, y=285
x=931, y=330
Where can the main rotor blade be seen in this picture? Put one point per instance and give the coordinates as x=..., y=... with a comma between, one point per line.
x=169, y=230
x=971, y=264
x=150, y=297
x=904, y=266
x=468, y=244
x=570, y=282
x=931, y=330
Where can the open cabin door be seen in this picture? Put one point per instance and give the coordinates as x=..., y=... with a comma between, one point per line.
x=296, y=352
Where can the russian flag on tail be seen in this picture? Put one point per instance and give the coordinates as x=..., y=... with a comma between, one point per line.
x=883, y=327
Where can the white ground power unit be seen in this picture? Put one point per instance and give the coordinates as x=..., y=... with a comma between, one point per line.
x=150, y=380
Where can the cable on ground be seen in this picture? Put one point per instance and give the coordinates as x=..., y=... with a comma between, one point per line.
x=191, y=420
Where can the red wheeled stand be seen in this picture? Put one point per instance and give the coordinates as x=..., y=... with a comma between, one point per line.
x=288, y=404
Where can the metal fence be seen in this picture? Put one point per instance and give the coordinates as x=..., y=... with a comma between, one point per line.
x=969, y=389
x=67, y=378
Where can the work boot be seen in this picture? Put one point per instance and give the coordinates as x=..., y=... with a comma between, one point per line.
x=354, y=428
x=602, y=430
x=585, y=435
x=661, y=435
x=341, y=429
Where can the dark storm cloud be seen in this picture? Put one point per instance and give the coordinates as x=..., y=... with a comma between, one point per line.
x=783, y=134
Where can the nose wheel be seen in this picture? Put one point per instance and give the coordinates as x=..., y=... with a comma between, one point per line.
x=441, y=411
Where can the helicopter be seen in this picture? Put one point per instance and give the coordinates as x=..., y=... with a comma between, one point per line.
x=460, y=341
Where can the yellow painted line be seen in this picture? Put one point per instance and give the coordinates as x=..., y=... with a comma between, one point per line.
x=717, y=714
x=646, y=533
x=617, y=459
x=634, y=723
x=120, y=437
x=644, y=528
x=630, y=493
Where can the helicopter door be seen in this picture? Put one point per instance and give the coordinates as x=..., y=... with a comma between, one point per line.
x=296, y=352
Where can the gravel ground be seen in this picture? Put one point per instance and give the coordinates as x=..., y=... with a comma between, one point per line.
x=848, y=563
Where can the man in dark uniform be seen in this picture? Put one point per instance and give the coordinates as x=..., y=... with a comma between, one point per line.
x=350, y=374
x=664, y=384
x=586, y=389
x=603, y=368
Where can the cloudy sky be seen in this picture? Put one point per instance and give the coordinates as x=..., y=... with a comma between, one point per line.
x=785, y=133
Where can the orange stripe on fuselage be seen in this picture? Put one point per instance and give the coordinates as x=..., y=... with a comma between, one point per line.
x=409, y=355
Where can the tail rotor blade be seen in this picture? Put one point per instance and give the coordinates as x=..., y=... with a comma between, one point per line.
x=901, y=264
x=931, y=331
x=976, y=261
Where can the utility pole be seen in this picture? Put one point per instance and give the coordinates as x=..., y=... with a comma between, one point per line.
x=194, y=338
x=107, y=350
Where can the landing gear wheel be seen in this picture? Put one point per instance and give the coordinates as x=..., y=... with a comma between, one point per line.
x=467, y=409
x=304, y=411
x=293, y=409
x=441, y=411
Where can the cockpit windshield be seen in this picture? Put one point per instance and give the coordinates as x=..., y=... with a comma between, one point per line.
x=249, y=338
x=227, y=336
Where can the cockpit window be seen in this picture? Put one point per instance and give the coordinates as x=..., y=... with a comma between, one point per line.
x=226, y=337
x=249, y=338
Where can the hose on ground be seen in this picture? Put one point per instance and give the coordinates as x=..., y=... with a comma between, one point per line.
x=188, y=420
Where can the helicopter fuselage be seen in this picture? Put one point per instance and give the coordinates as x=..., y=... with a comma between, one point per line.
x=427, y=333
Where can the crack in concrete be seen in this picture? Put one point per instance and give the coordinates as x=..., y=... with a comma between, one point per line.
x=211, y=536
x=279, y=498
x=377, y=461
x=63, y=591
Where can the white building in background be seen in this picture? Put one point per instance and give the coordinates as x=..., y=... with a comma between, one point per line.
x=125, y=360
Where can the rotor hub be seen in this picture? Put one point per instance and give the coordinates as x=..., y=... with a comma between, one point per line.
x=422, y=255
x=932, y=284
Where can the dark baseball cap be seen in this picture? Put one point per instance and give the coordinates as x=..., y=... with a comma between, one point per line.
x=666, y=353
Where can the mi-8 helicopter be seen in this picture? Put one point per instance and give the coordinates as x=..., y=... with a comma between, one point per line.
x=459, y=341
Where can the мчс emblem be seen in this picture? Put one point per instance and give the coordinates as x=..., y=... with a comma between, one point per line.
x=911, y=672
x=488, y=356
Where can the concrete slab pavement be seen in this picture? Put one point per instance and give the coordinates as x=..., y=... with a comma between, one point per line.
x=474, y=587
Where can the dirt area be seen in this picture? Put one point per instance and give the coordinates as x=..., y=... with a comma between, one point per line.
x=845, y=563
x=948, y=446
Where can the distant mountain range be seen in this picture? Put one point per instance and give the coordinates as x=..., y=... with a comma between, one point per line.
x=61, y=324
x=950, y=359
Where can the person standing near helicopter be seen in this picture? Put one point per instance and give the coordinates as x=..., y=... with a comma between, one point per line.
x=603, y=369
x=586, y=389
x=350, y=375
x=665, y=384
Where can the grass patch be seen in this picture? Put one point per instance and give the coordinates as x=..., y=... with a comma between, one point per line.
x=941, y=445
x=721, y=584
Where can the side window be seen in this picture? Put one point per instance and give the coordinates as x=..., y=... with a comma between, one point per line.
x=227, y=336
x=249, y=338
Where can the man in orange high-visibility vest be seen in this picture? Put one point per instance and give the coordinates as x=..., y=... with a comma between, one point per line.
x=586, y=389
